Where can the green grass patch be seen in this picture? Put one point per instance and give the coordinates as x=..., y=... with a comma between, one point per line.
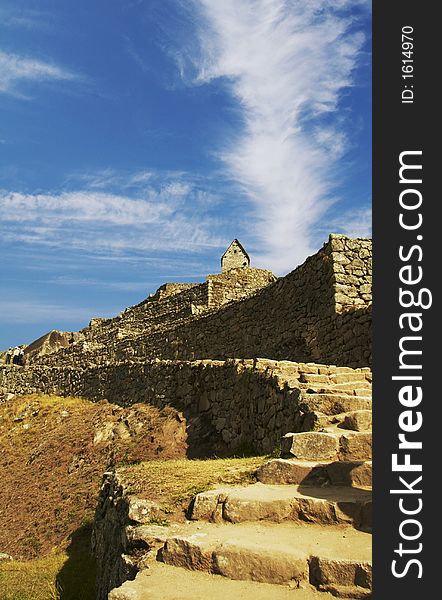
x=68, y=575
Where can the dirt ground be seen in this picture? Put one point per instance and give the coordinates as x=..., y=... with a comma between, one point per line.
x=53, y=452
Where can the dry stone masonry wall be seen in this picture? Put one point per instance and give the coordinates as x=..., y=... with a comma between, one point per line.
x=352, y=260
x=233, y=405
x=318, y=313
x=303, y=316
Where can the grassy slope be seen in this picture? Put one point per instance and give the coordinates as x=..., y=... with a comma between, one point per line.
x=51, y=470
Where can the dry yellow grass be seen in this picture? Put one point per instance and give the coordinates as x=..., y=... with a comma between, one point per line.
x=30, y=580
x=173, y=483
x=37, y=445
x=51, y=468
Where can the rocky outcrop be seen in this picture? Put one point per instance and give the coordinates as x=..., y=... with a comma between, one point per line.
x=109, y=540
x=48, y=343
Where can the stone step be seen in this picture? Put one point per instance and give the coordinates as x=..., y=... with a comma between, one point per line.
x=353, y=377
x=365, y=387
x=317, y=421
x=280, y=471
x=350, y=377
x=365, y=392
x=327, y=445
x=332, y=389
x=358, y=420
x=282, y=554
x=278, y=503
x=165, y=582
x=333, y=404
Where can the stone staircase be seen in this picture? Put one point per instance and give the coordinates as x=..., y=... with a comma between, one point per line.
x=302, y=531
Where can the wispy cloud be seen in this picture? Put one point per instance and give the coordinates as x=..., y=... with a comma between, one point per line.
x=135, y=55
x=355, y=223
x=24, y=18
x=127, y=286
x=287, y=64
x=16, y=70
x=108, y=179
x=167, y=218
x=26, y=312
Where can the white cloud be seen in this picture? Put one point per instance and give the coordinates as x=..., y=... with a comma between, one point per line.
x=89, y=206
x=15, y=70
x=168, y=218
x=354, y=223
x=287, y=64
x=24, y=312
x=12, y=16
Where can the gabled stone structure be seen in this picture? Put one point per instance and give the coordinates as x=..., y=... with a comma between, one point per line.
x=235, y=257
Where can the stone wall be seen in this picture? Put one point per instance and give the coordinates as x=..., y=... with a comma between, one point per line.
x=320, y=312
x=229, y=406
x=237, y=284
x=170, y=289
x=352, y=266
x=176, y=304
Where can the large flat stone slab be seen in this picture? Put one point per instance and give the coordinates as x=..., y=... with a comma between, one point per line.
x=244, y=559
x=333, y=404
x=282, y=471
x=278, y=503
x=327, y=445
x=272, y=553
x=164, y=582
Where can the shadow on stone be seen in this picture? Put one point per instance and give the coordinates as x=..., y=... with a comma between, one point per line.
x=353, y=502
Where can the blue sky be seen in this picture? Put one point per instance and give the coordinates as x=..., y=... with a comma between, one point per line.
x=138, y=138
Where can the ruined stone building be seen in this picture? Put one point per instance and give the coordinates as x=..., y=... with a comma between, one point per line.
x=274, y=365
x=152, y=352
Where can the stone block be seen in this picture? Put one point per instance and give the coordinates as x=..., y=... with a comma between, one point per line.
x=355, y=446
x=247, y=563
x=359, y=420
x=285, y=471
x=311, y=445
x=325, y=571
x=191, y=553
x=207, y=506
x=204, y=402
x=143, y=511
x=353, y=473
